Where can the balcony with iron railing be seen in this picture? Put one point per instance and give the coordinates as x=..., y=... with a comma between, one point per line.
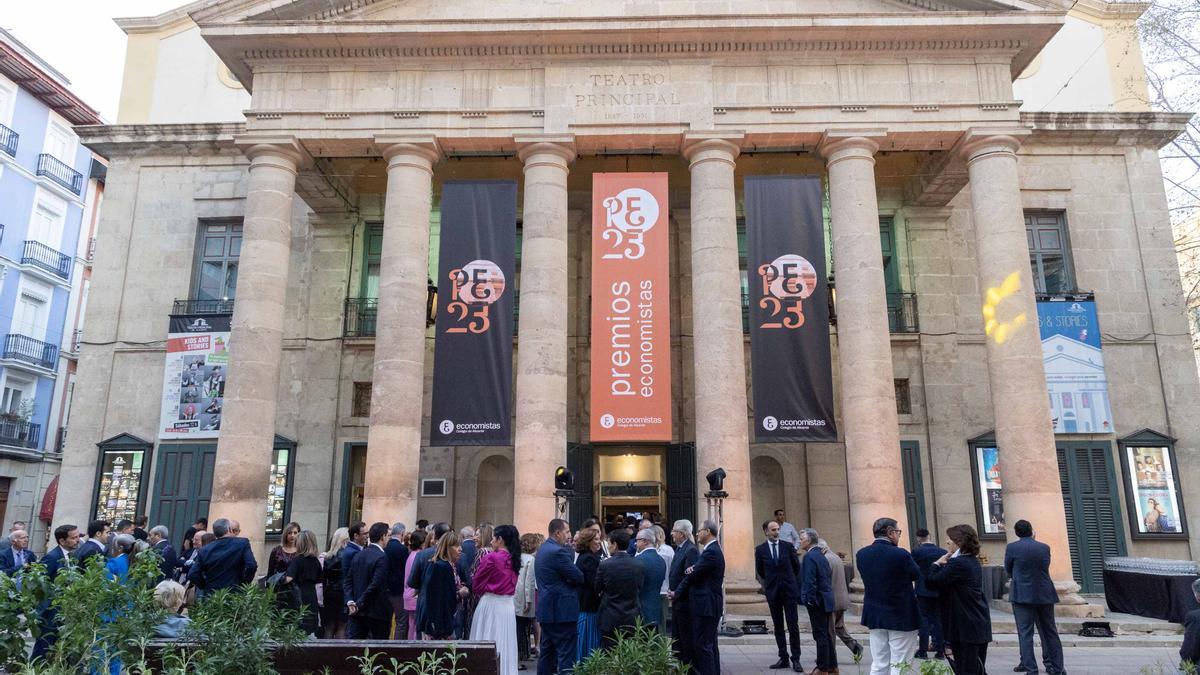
x=194, y=306
x=60, y=172
x=901, y=311
x=35, y=352
x=20, y=434
x=42, y=256
x=8, y=140
x=360, y=317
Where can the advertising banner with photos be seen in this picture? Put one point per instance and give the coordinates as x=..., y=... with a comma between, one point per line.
x=472, y=363
x=1074, y=366
x=1153, y=491
x=631, y=308
x=194, y=378
x=789, y=310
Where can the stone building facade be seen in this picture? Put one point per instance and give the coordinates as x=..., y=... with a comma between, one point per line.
x=360, y=110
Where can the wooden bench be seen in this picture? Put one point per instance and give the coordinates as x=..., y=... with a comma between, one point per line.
x=476, y=658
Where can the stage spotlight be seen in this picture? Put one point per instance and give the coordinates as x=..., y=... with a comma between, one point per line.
x=716, y=480
x=563, y=479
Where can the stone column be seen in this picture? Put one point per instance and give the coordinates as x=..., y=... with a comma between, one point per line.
x=722, y=438
x=1024, y=433
x=541, y=388
x=244, y=451
x=397, y=385
x=875, y=480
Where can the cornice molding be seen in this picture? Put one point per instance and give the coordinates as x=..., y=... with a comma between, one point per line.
x=1105, y=10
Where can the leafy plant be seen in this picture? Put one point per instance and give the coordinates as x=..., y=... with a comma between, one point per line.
x=20, y=598
x=428, y=663
x=644, y=651
x=235, y=631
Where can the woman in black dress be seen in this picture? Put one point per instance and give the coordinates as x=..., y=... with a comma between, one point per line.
x=333, y=610
x=282, y=554
x=305, y=571
x=587, y=636
x=441, y=590
x=966, y=620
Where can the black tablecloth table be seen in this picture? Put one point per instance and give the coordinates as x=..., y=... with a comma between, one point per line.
x=994, y=579
x=1158, y=596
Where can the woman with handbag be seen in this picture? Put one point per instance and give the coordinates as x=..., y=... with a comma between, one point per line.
x=304, y=573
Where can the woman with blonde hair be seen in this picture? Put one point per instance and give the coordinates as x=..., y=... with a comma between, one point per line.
x=441, y=589
x=333, y=610
x=305, y=572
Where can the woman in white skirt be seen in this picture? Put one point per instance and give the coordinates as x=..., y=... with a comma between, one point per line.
x=495, y=581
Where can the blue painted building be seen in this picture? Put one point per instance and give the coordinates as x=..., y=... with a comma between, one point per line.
x=49, y=189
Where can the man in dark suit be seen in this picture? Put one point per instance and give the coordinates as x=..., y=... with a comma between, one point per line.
x=816, y=592
x=97, y=542
x=889, y=602
x=225, y=563
x=686, y=555
x=158, y=540
x=18, y=556
x=558, y=582
x=357, y=542
x=67, y=537
x=367, y=601
x=397, y=557
x=1032, y=594
x=924, y=555
x=701, y=586
x=777, y=569
x=1189, y=651
x=619, y=583
x=654, y=569
x=466, y=558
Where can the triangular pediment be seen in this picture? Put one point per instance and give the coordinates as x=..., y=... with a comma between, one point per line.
x=237, y=11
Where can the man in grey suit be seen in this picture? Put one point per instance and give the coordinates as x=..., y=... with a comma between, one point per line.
x=1032, y=594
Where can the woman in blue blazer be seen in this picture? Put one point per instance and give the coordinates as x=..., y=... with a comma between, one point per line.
x=966, y=619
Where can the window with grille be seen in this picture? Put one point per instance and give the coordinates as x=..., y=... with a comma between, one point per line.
x=1049, y=253
x=903, y=400
x=361, y=406
x=217, y=252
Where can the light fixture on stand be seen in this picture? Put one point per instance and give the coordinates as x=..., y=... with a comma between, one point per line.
x=716, y=496
x=564, y=490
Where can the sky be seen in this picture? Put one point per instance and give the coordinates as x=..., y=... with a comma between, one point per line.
x=79, y=39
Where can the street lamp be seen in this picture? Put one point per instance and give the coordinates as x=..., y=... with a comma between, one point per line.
x=716, y=496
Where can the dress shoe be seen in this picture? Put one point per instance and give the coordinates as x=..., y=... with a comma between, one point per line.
x=1020, y=669
x=796, y=667
x=781, y=663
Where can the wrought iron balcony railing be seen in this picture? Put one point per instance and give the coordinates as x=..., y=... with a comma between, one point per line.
x=902, y=313
x=194, y=306
x=8, y=140
x=20, y=434
x=360, y=318
x=60, y=441
x=24, y=348
x=40, y=255
x=60, y=172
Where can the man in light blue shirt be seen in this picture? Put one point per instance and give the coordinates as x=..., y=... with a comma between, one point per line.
x=787, y=531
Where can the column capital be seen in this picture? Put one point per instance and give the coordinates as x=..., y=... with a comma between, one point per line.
x=283, y=152
x=418, y=150
x=712, y=146
x=982, y=141
x=560, y=148
x=839, y=144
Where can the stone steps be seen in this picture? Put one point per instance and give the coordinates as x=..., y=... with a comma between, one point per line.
x=1069, y=641
x=1003, y=624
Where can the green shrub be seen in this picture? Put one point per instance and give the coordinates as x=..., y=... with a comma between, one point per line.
x=428, y=663
x=644, y=652
x=20, y=599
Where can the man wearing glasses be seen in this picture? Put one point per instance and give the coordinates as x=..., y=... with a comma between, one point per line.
x=889, y=602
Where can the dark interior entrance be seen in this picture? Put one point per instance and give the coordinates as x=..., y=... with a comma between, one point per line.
x=633, y=480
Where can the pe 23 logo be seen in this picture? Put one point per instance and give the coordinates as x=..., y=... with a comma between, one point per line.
x=786, y=282
x=474, y=287
x=628, y=217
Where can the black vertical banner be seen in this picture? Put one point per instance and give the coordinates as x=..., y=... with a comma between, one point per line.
x=472, y=363
x=789, y=310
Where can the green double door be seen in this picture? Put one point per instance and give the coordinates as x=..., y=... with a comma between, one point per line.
x=1095, y=526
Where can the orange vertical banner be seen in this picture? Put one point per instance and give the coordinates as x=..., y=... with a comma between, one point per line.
x=631, y=316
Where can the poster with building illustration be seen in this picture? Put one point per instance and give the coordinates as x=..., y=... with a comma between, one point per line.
x=1074, y=363
x=194, y=377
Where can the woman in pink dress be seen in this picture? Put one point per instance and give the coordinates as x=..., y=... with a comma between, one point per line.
x=495, y=581
x=416, y=542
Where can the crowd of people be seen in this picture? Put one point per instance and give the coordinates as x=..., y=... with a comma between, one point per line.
x=560, y=596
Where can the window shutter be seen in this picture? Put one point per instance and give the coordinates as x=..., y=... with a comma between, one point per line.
x=681, y=483
x=579, y=463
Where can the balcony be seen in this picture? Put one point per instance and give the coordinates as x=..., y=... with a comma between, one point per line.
x=42, y=256
x=360, y=317
x=203, y=306
x=60, y=172
x=20, y=434
x=31, y=351
x=902, y=313
x=60, y=441
x=8, y=140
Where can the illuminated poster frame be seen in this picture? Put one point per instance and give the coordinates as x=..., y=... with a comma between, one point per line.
x=986, y=486
x=1151, y=477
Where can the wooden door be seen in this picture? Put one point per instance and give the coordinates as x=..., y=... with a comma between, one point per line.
x=1095, y=528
